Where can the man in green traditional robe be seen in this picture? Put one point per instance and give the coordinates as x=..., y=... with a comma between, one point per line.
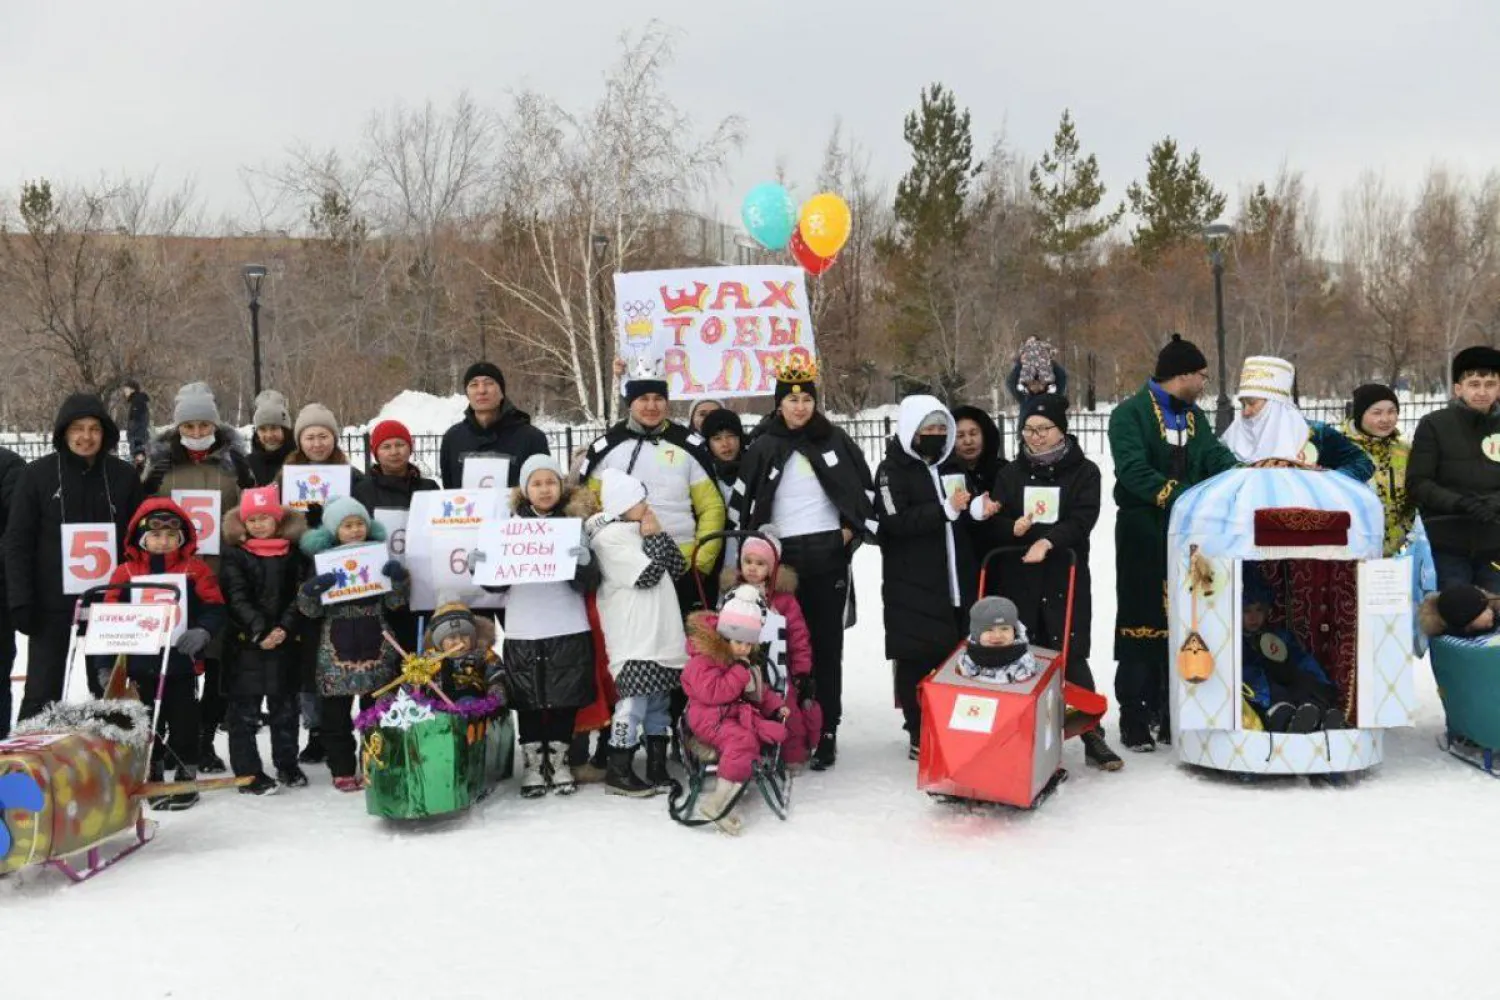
x=1162, y=444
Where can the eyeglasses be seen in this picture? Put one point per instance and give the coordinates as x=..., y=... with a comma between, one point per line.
x=1033, y=430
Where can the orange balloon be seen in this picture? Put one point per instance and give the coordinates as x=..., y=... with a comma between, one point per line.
x=825, y=223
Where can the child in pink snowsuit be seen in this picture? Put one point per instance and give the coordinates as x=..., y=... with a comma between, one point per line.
x=729, y=705
x=759, y=561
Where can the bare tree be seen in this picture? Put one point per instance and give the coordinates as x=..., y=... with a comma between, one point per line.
x=583, y=193
x=1379, y=262
x=1455, y=235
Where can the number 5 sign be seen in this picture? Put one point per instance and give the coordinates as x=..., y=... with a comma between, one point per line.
x=205, y=507
x=88, y=555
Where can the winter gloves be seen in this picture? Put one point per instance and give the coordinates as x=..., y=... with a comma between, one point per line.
x=1483, y=507
x=807, y=689
x=582, y=554
x=319, y=585
x=193, y=642
x=395, y=571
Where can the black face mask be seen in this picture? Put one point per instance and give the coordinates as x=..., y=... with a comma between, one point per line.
x=931, y=446
x=996, y=656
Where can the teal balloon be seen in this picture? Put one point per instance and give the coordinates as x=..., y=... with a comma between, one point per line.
x=770, y=215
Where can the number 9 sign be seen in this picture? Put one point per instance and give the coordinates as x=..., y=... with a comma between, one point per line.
x=88, y=554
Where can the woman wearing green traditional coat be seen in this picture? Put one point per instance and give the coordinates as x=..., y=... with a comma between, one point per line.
x=1372, y=428
x=1162, y=444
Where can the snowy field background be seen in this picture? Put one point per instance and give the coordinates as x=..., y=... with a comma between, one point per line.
x=1155, y=882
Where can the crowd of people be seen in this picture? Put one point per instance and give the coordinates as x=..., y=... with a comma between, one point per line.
x=663, y=618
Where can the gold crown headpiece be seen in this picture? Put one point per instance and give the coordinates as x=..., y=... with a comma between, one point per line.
x=796, y=367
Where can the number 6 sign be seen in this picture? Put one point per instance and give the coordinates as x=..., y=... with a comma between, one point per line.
x=205, y=508
x=88, y=554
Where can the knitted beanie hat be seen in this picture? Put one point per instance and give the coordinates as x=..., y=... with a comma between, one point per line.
x=1179, y=357
x=539, y=463
x=741, y=618
x=261, y=500
x=451, y=617
x=315, y=415
x=989, y=612
x=619, y=491
x=271, y=410
x=195, y=401
x=1367, y=396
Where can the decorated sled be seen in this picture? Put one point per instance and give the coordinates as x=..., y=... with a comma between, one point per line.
x=701, y=761
x=1316, y=538
x=1003, y=742
x=1468, y=679
x=425, y=755
x=75, y=778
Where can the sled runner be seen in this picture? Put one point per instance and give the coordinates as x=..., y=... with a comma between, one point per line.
x=74, y=778
x=1003, y=742
x=1468, y=678
x=769, y=774
x=1311, y=542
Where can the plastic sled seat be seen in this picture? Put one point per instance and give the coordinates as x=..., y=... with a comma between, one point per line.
x=701, y=761
x=1468, y=680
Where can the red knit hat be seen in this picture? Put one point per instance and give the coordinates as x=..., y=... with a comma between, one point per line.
x=385, y=431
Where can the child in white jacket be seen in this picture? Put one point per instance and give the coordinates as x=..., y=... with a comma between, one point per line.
x=643, y=631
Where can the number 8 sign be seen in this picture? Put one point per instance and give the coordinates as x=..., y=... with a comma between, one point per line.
x=204, y=507
x=88, y=554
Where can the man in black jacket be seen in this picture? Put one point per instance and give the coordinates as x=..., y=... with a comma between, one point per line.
x=1453, y=474
x=80, y=483
x=137, y=421
x=491, y=425
x=11, y=465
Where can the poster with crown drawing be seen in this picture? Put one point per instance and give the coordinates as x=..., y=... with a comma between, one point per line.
x=713, y=331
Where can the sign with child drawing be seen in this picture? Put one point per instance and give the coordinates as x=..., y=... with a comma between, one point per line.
x=305, y=485
x=356, y=570
x=713, y=331
x=441, y=530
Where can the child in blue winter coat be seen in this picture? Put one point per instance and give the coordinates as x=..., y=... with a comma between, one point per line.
x=1288, y=689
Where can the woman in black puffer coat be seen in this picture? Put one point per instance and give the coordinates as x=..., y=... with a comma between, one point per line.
x=927, y=567
x=1047, y=501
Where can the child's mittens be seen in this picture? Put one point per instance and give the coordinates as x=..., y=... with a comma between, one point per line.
x=395, y=571
x=314, y=516
x=475, y=557
x=193, y=642
x=807, y=689
x=319, y=585
x=582, y=554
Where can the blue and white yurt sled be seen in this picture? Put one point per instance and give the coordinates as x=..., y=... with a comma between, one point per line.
x=1289, y=525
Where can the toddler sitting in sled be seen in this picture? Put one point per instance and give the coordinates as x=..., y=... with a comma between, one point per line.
x=998, y=651
x=1283, y=683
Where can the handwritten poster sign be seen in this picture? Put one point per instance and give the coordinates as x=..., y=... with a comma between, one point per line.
x=304, y=485
x=713, y=331
x=129, y=629
x=441, y=529
x=357, y=570
x=486, y=472
x=528, y=550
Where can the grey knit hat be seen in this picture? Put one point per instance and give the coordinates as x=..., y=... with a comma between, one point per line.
x=989, y=612
x=195, y=401
x=315, y=415
x=271, y=410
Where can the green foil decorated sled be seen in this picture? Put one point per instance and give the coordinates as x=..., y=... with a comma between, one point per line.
x=422, y=761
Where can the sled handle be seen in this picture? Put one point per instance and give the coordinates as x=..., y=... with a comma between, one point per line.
x=1015, y=550
x=725, y=536
x=95, y=595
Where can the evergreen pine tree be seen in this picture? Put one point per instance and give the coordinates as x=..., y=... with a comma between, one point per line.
x=1176, y=202
x=1068, y=193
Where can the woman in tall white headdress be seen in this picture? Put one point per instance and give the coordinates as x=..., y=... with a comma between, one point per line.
x=1270, y=426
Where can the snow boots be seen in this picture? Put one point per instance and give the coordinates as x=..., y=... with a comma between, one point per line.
x=656, y=763
x=183, y=800
x=260, y=785
x=533, y=781
x=313, y=753
x=827, y=753
x=291, y=777
x=1135, y=732
x=715, y=806
x=561, y=778
x=1284, y=717
x=1097, y=752
x=208, y=761
x=588, y=770
x=622, y=779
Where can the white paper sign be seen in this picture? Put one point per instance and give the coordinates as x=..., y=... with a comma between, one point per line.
x=486, y=472
x=528, y=550
x=1384, y=587
x=142, y=594
x=1042, y=503
x=304, y=485
x=358, y=569
x=974, y=714
x=952, y=484
x=714, y=331
x=131, y=629
x=205, y=508
x=89, y=555
x=393, y=519
x=441, y=529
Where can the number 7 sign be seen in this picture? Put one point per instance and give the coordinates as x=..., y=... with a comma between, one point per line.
x=88, y=556
x=204, y=507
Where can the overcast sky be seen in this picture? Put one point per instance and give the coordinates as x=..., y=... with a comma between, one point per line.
x=195, y=89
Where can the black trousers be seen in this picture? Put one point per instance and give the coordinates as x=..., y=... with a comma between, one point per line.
x=177, y=726
x=7, y=664
x=243, y=717
x=46, y=663
x=1141, y=688
x=212, y=706
x=546, y=725
x=823, y=590
x=338, y=733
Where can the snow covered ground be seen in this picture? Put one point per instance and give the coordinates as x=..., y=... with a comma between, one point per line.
x=1158, y=881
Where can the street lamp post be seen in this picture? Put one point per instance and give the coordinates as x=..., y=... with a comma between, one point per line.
x=1216, y=236
x=254, y=274
x=601, y=246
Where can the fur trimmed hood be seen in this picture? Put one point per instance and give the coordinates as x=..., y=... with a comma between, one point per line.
x=293, y=526
x=704, y=638
x=786, y=579
x=576, y=501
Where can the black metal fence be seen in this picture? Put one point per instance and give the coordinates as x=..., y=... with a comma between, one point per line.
x=1090, y=427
